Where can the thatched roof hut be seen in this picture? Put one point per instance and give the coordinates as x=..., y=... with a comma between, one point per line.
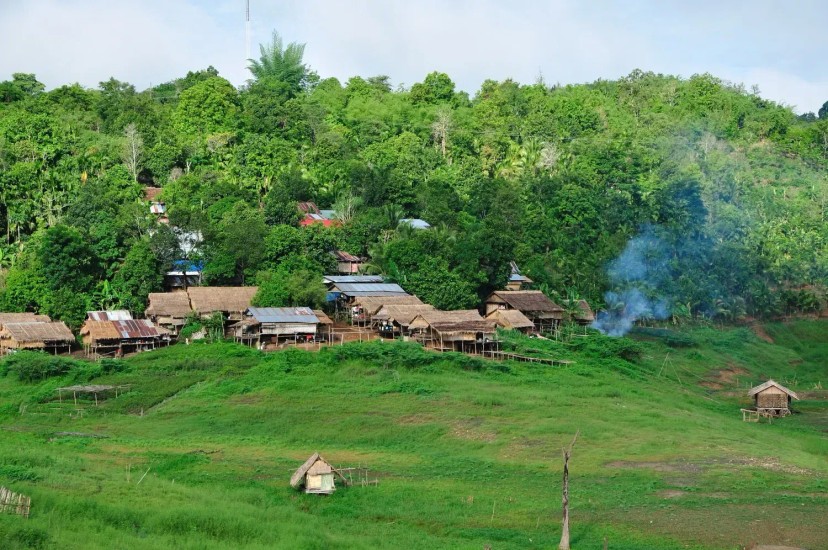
x=169, y=308
x=462, y=330
x=138, y=334
x=36, y=335
x=581, y=312
x=534, y=304
x=772, y=398
x=511, y=319
x=316, y=475
x=230, y=300
x=26, y=317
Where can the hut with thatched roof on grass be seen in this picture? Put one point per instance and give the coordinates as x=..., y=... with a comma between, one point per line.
x=52, y=336
x=118, y=336
x=316, y=476
x=23, y=318
x=169, y=309
x=393, y=320
x=462, y=330
x=545, y=314
x=230, y=301
x=511, y=319
x=772, y=399
x=580, y=312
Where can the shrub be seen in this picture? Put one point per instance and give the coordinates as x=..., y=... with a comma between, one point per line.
x=33, y=366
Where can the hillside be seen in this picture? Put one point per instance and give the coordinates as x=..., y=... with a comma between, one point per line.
x=726, y=189
x=198, y=452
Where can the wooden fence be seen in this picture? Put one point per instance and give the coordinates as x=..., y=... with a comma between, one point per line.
x=14, y=503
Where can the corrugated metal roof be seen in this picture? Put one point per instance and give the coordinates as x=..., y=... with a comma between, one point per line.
x=350, y=288
x=138, y=328
x=352, y=279
x=283, y=315
x=416, y=223
x=110, y=315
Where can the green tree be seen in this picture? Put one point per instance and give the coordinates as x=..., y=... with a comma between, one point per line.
x=283, y=64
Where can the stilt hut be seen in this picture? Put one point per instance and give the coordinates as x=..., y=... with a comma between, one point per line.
x=581, y=313
x=121, y=336
x=545, y=314
x=772, y=398
x=394, y=320
x=23, y=318
x=231, y=301
x=511, y=319
x=53, y=336
x=276, y=324
x=169, y=309
x=316, y=476
x=463, y=330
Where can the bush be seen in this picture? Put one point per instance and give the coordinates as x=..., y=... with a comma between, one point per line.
x=33, y=366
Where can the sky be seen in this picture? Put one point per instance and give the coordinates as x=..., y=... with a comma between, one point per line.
x=777, y=45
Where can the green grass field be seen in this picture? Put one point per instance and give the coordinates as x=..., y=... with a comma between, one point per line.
x=467, y=452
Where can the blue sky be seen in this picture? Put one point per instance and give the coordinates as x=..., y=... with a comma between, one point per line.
x=779, y=46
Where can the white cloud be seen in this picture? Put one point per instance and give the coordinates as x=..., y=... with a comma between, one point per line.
x=568, y=41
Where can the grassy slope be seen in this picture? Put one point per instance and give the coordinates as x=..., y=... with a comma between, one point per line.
x=467, y=452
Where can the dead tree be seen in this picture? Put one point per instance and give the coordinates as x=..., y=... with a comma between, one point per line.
x=567, y=452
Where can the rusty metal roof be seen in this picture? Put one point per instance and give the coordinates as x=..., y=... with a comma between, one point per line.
x=111, y=315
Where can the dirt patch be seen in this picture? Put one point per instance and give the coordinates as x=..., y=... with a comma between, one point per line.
x=722, y=378
x=760, y=331
x=470, y=430
x=671, y=493
x=416, y=419
x=680, y=466
x=246, y=399
x=671, y=467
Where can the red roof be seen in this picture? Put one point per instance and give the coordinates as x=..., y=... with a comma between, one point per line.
x=311, y=219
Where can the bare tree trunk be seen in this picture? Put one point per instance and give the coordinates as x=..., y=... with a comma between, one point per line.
x=565, y=529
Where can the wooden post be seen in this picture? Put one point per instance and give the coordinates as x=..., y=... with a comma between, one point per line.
x=567, y=453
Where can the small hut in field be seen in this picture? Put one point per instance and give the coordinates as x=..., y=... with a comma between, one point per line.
x=772, y=398
x=49, y=336
x=316, y=476
x=393, y=320
x=581, y=313
x=511, y=319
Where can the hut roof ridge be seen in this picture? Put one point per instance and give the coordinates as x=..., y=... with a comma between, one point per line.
x=761, y=387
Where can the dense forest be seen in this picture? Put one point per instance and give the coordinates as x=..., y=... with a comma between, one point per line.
x=719, y=195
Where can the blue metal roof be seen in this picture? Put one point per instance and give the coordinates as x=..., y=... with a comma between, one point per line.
x=352, y=279
x=283, y=315
x=363, y=289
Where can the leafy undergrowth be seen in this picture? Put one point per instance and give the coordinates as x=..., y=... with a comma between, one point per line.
x=198, y=451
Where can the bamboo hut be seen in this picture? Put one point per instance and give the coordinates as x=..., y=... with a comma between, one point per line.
x=347, y=262
x=23, y=318
x=394, y=320
x=231, y=301
x=545, y=314
x=582, y=313
x=121, y=336
x=316, y=476
x=511, y=319
x=169, y=309
x=264, y=325
x=772, y=399
x=462, y=330
x=53, y=336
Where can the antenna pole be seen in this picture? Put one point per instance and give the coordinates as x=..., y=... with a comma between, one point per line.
x=247, y=33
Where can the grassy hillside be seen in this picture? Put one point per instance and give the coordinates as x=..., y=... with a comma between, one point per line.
x=467, y=452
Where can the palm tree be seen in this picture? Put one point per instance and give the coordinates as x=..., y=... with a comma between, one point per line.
x=282, y=63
